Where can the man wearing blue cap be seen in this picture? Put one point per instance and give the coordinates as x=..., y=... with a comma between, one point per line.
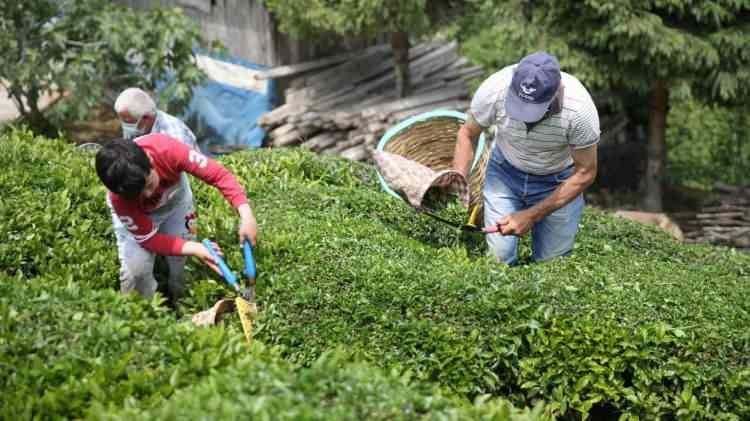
x=546, y=135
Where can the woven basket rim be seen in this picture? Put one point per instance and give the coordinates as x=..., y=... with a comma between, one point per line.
x=420, y=118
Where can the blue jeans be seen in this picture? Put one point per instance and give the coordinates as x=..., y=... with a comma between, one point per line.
x=507, y=190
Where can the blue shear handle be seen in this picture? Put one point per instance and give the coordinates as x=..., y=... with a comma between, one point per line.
x=247, y=251
x=230, y=277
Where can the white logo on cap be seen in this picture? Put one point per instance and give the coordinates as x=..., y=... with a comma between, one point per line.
x=528, y=89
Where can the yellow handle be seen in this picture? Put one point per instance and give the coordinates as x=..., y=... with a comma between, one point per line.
x=473, y=216
x=247, y=312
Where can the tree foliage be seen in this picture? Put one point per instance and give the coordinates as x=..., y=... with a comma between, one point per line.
x=83, y=48
x=637, y=42
x=350, y=17
x=398, y=19
x=708, y=144
x=496, y=37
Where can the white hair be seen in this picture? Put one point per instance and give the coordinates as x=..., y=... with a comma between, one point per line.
x=136, y=102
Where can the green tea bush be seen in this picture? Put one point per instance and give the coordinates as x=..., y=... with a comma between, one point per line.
x=53, y=212
x=65, y=345
x=74, y=347
x=75, y=352
x=259, y=387
x=632, y=325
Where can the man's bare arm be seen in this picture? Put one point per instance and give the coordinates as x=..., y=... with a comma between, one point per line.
x=583, y=175
x=466, y=140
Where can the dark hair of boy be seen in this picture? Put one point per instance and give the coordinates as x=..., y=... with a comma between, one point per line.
x=123, y=168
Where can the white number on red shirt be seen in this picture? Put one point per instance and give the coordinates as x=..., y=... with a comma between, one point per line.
x=198, y=158
x=129, y=223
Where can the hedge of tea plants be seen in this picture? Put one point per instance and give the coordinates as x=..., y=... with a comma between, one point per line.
x=631, y=326
x=71, y=346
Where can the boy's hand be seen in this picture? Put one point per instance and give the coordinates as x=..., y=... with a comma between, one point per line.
x=248, y=230
x=248, y=226
x=195, y=249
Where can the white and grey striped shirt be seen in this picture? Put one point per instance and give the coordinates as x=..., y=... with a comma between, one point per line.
x=545, y=149
x=174, y=127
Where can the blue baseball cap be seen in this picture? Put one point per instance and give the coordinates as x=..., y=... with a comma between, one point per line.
x=535, y=82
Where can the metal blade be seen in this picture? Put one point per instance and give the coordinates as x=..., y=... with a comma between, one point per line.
x=249, y=293
x=463, y=227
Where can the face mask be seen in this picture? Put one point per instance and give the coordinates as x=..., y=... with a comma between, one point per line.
x=131, y=130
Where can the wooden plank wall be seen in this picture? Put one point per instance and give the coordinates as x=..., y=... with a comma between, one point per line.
x=249, y=31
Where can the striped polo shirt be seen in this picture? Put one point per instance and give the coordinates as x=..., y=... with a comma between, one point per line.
x=545, y=149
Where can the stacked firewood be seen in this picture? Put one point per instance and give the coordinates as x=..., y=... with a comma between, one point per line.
x=724, y=221
x=343, y=105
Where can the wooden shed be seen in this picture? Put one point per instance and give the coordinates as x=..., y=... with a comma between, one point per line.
x=250, y=31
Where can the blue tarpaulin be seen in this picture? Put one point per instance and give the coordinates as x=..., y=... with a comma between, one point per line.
x=224, y=109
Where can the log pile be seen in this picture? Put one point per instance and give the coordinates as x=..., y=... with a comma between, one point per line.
x=342, y=105
x=724, y=221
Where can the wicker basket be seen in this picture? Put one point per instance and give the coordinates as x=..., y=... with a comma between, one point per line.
x=430, y=139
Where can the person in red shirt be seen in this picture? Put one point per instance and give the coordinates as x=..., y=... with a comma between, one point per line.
x=147, y=198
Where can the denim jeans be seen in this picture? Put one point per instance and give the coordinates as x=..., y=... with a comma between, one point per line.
x=507, y=190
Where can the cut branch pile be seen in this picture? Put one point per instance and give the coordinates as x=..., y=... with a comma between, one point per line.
x=342, y=105
x=725, y=221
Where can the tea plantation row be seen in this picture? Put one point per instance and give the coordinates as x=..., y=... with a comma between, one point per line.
x=631, y=326
x=71, y=346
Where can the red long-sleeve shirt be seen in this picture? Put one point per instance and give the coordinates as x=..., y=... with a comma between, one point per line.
x=170, y=158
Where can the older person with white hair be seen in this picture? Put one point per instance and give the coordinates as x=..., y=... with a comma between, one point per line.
x=139, y=116
x=174, y=215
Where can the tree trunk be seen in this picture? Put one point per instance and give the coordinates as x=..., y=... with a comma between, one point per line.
x=657, y=125
x=31, y=115
x=741, y=175
x=400, y=47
